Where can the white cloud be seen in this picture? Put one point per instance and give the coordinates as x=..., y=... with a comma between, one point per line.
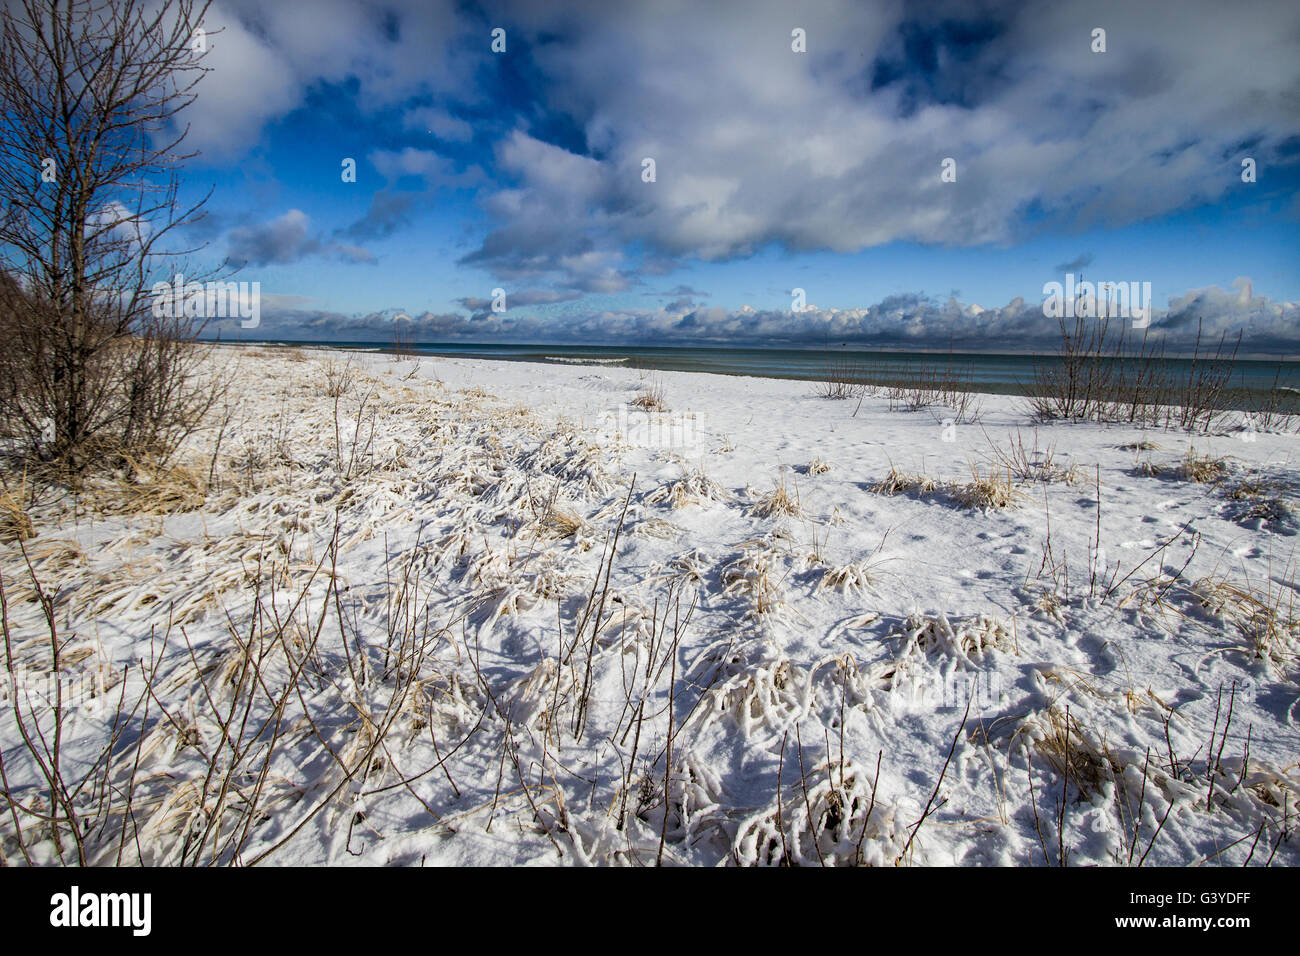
x=755, y=144
x=433, y=168
x=250, y=83
x=263, y=57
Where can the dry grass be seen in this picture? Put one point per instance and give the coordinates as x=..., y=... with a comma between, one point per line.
x=657, y=528
x=1272, y=509
x=563, y=523
x=651, y=398
x=149, y=487
x=1074, y=752
x=1265, y=617
x=818, y=467
x=987, y=492
x=1247, y=489
x=15, y=523
x=966, y=639
x=1261, y=499
x=1202, y=469
x=847, y=578
x=780, y=502
x=897, y=482
x=752, y=573
x=673, y=800
x=690, y=489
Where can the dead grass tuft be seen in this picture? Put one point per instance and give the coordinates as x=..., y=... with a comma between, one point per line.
x=848, y=578
x=651, y=398
x=690, y=489
x=897, y=482
x=149, y=487
x=1073, y=751
x=780, y=502
x=15, y=523
x=1202, y=469
x=987, y=492
x=1265, y=617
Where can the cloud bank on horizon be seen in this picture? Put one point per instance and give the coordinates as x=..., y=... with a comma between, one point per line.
x=524, y=169
x=1211, y=314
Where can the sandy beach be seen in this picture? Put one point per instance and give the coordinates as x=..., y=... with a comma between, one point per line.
x=395, y=610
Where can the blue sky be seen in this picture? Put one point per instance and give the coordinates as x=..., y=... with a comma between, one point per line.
x=774, y=169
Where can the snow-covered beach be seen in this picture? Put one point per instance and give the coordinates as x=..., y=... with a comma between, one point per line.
x=387, y=610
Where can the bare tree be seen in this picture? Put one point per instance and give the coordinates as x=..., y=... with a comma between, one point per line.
x=91, y=100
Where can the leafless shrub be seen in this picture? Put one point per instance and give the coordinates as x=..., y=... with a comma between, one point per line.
x=1077, y=384
x=1276, y=409
x=403, y=340
x=1032, y=464
x=844, y=379
x=1202, y=397
x=340, y=378
x=90, y=369
x=1098, y=374
x=932, y=383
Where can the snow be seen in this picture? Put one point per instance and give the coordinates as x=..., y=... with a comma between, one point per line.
x=545, y=602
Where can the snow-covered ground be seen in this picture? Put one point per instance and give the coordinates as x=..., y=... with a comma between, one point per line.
x=483, y=612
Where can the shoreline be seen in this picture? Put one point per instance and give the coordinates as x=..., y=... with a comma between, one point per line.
x=831, y=364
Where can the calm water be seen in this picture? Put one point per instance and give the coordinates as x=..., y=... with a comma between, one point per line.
x=983, y=372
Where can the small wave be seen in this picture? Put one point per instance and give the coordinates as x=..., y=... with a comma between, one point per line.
x=570, y=360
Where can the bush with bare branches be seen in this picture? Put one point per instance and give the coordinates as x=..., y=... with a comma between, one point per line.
x=90, y=96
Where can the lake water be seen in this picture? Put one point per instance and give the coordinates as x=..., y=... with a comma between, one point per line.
x=1004, y=373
